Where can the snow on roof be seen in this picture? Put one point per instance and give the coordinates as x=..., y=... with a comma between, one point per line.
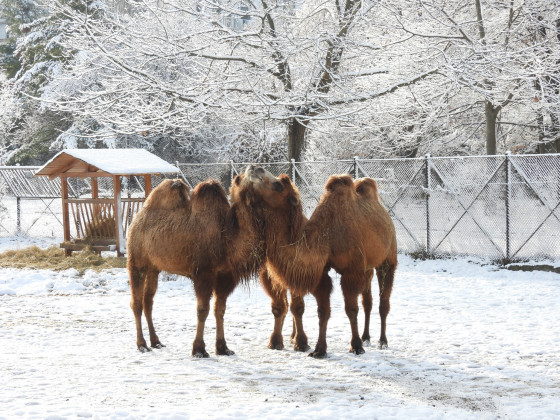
x=111, y=161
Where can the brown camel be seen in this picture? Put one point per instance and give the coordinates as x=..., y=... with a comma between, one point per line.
x=200, y=237
x=350, y=231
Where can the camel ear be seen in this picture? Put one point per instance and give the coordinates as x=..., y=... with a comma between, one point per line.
x=237, y=180
x=285, y=179
x=294, y=201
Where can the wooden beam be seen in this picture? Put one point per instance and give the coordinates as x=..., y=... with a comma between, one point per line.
x=95, y=195
x=147, y=185
x=118, y=215
x=86, y=174
x=65, y=213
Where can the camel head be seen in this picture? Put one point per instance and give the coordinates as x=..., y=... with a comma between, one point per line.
x=275, y=192
x=171, y=194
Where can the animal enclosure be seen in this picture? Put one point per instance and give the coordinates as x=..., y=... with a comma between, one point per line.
x=500, y=207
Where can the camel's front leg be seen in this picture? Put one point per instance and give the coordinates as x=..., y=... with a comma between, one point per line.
x=367, y=304
x=350, y=291
x=203, y=290
x=322, y=295
x=297, y=307
x=279, y=304
x=223, y=289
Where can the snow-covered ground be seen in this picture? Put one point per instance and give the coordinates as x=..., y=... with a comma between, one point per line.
x=466, y=341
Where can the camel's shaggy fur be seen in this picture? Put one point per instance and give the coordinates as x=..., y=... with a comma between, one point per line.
x=350, y=231
x=196, y=235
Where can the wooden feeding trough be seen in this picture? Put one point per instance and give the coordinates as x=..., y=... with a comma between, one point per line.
x=101, y=222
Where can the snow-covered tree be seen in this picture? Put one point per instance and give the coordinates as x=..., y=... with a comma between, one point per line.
x=179, y=64
x=493, y=53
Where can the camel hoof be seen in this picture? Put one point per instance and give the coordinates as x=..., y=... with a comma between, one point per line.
x=200, y=355
x=225, y=352
x=157, y=346
x=357, y=351
x=276, y=346
x=382, y=345
x=276, y=342
x=366, y=343
x=144, y=349
x=318, y=354
x=304, y=347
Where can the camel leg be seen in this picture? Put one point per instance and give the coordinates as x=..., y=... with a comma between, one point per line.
x=322, y=295
x=136, y=281
x=279, y=306
x=150, y=288
x=353, y=285
x=297, y=307
x=367, y=303
x=385, y=278
x=222, y=290
x=203, y=290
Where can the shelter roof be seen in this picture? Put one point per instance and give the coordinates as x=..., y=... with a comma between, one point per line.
x=105, y=162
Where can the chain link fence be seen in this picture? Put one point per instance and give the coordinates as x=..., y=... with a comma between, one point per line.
x=503, y=207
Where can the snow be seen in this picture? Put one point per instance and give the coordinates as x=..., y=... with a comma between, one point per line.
x=120, y=161
x=467, y=340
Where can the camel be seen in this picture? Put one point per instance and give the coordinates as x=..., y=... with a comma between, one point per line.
x=350, y=231
x=196, y=235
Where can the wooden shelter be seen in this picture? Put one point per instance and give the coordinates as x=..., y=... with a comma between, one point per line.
x=102, y=222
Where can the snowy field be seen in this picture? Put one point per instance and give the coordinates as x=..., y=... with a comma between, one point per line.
x=466, y=341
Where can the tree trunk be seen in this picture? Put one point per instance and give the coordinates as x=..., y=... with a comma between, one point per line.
x=555, y=132
x=540, y=124
x=491, y=114
x=296, y=139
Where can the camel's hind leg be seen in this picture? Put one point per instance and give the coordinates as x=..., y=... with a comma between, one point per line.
x=279, y=306
x=150, y=288
x=222, y=290
x=367, y=303
x=385, y=278
x=297, y=307
x=203, y=290
x=353, y=284
x=322, y=295
x=136, y=280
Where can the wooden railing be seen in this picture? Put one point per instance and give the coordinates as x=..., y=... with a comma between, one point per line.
x=94, y=218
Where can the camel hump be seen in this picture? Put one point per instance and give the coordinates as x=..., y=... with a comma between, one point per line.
x=210, y=190
x=337, y=181
x=366, y=187
x=170, y=194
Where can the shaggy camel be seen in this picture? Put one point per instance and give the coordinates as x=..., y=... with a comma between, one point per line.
x=200, y=237
x=350, y=231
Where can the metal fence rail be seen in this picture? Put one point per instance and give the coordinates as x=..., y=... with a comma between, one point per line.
x=504, y=207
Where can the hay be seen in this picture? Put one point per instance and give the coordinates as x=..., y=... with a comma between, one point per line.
x=53, y=258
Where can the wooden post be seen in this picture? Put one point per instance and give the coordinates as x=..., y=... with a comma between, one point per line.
x=65, y=213
x=95, y=194
x=118, y=215
x=147, y=185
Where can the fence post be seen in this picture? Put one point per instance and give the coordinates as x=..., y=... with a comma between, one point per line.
x=293, y=169
x=508, y=204
x=231, y=170
x=428, y=188
x=18, y=212
x=355, y=167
